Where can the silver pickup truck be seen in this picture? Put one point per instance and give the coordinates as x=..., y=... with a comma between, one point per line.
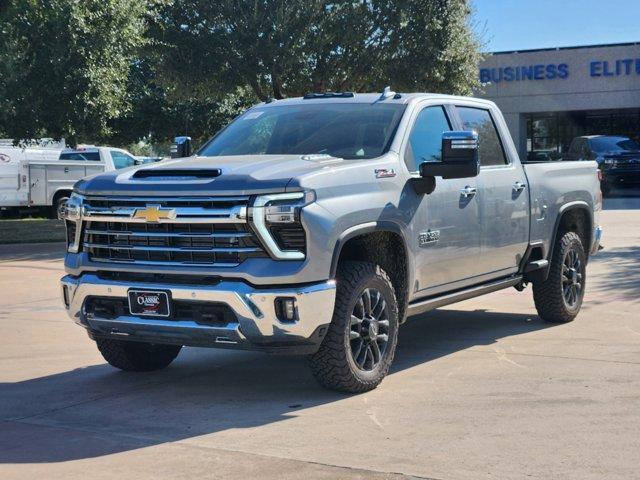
x=317, y=225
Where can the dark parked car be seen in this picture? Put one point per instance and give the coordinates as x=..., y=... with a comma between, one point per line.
x=618, y=158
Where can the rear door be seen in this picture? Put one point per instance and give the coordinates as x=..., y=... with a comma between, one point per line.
x=503, y=197
x=446, y=222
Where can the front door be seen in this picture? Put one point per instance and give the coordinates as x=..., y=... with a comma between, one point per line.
x=504, y=203
x=447, y=222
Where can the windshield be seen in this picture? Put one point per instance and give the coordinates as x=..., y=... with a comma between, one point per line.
x=613, y=144
x=345, y=130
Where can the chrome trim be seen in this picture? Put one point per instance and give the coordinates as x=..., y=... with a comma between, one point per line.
x=597, y=238
x=259, y=223
x=168, y=234
x=145, y=248
x=160, y=263
x=236, y=214
x=241, y=198
x=72, y=212
x=257, y=323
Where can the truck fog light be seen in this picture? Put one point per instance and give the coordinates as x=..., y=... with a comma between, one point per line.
x=286, y=309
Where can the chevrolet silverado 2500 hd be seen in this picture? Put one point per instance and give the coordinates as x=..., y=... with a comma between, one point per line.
x=316, y=225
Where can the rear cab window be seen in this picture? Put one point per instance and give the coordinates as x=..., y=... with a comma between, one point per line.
x=490, y=149
x=81, y=156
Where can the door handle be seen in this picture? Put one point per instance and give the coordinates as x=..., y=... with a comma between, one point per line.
x=66, y=169
x=468, y=192
x=519, y=186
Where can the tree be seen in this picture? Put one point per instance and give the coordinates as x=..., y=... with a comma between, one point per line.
x=65, y=65
x=283, y=48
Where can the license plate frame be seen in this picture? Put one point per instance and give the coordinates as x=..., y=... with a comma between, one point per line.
x=149, y=303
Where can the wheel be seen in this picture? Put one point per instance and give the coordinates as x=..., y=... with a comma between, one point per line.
x=358, y=349
x=136, y=356
x=605, y=188
x=559, y=298
x=58, y=207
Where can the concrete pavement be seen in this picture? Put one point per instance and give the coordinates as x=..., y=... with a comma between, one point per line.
x=481, y=389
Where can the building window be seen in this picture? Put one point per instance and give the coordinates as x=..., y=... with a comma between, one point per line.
x=549, y=135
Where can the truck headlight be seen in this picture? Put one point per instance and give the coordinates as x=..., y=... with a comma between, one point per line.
x=610, y=162
x=276, y=220
x=72, y=216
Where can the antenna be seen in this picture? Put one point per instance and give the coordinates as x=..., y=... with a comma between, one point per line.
x=386, y=93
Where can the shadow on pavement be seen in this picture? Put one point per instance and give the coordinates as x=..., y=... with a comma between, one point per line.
x=623, y=276
x=32, y=252
x=96, y=411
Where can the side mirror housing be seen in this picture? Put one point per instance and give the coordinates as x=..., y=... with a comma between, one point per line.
x=459, y=157
x=181, y=147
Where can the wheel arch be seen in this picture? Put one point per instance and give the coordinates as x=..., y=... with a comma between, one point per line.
x=357, y=243
x=575, y=217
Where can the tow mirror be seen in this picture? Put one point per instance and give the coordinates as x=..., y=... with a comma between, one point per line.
x=459, y=157
x=181, y=147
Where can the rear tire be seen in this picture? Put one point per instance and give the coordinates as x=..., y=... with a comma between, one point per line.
x=358, y=349
x=137, y=356
x=558, y=299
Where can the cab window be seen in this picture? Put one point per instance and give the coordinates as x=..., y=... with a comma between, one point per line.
x=80, y=156
x=490, y=148
x=425, y=141
x=122, y=160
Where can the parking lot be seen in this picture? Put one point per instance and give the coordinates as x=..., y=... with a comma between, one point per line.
x=481, y=389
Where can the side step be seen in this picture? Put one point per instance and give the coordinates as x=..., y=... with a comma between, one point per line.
x=421, y=306
x=536, y=265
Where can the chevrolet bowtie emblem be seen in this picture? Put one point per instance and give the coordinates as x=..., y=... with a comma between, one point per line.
x=155, y=213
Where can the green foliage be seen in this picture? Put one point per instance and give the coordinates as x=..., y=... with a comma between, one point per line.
x=121, y=71
x=65, y=65
x=287, y=48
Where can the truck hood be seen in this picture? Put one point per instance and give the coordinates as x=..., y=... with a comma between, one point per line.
x=232, y=175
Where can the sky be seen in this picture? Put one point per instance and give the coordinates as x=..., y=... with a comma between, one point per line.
x=506, y=25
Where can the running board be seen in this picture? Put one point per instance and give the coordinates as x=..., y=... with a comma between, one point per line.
x=422, y=306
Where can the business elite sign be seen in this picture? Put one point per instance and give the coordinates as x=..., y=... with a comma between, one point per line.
x=551, y=71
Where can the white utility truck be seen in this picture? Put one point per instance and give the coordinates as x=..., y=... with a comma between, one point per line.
x=44, y=177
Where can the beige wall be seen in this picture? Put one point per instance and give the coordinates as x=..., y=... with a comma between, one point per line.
x=578, y=91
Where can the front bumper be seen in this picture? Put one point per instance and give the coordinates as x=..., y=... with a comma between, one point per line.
x=256, y=325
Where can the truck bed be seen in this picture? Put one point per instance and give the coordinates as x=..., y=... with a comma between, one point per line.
x=555, y=186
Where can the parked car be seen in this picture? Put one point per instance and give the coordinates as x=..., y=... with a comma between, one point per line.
x=36, y=178
x=317, y=225
x=618, y=158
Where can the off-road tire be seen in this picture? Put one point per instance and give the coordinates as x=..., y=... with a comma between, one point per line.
x=548, y=295
x=332, y=365
x=136, y=356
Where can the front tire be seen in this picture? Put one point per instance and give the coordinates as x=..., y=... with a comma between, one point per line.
x=558, y=299
x=137, y=356
x=358, y=349
x=58, y=208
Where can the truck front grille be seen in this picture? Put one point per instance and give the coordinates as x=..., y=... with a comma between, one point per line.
x=201, y=232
